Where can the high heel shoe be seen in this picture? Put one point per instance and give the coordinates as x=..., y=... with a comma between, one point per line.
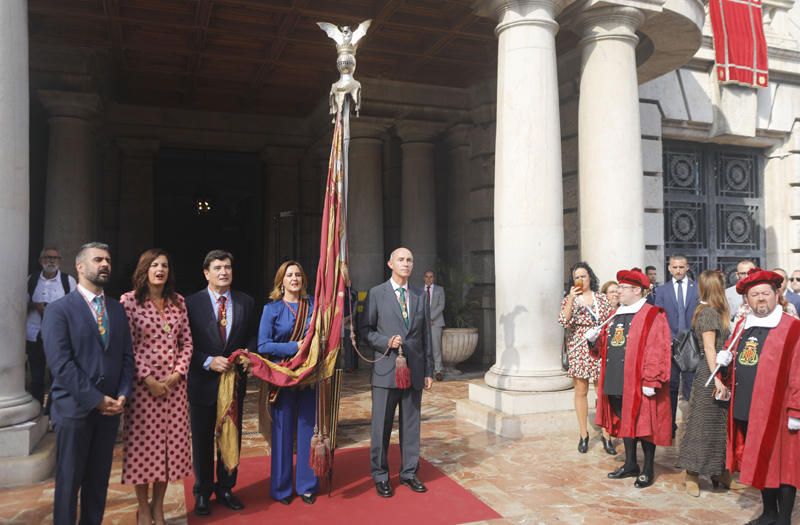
x=608, y=445
x=693, y=485
x=583, y=444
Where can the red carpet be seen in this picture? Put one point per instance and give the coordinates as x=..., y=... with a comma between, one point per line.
x=353, y=500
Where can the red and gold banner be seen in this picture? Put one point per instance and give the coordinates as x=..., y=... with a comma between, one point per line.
x=739, y=44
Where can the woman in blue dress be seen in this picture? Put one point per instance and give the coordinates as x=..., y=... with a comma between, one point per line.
x=293, y=411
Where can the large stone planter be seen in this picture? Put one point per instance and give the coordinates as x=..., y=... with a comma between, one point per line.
x=458, y=345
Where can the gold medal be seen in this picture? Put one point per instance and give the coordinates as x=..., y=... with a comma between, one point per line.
x=223, y=322
x=167, y=327
x=405, y=314
x=101, y=329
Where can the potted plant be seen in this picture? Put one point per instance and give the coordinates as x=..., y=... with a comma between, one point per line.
x=460, y=337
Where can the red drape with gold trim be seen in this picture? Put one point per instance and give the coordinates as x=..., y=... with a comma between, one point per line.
x=739, y=44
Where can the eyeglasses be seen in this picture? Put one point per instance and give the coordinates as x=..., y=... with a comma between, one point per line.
x=627, y=287
x=795, y=279
x=51, y=257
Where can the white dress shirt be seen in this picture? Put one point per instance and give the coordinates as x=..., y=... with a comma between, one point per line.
x=46, y=291
x=684, y=284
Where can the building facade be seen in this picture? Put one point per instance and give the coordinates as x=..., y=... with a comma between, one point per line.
x=500, y=140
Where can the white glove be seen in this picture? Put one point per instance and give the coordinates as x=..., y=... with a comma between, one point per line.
x=794, y=423
x=592, y=334
x=648, y=391
x=724, y=357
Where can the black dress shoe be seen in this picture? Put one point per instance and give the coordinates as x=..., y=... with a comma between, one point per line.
x=384, y=489
x=202, y=506
x=285, y=501
x=414, y=484
x=622, y=472
x=583, y=444
x=439, y=376
x=644, y=480
x=763, y=520
x=310, y=499
x=229, y=500
x=608, y=446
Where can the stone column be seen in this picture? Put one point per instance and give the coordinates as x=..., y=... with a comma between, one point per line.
x=610, y=142
x=365, y=203
x=418, y=194
x=457, y=194
x=21, y=428
x=71, y=211
x=136, y=206
x=16, y=405
x=528, y=211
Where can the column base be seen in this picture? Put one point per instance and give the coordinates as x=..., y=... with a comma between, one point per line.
x=37, y=453
x=520, y=414
x=534, y=381
x=19, y=409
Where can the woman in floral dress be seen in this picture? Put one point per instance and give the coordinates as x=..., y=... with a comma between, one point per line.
x=157, y=447
x=583, y=307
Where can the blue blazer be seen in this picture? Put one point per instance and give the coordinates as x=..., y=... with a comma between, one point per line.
x=83, y=370
x=794, y=299
x=275, y=328
x=666, y=299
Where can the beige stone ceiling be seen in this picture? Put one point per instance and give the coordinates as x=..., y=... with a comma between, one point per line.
x=264, y=56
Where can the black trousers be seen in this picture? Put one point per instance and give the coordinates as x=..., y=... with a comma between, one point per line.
x=84, y=450
x=203, y=423
x=37, y=365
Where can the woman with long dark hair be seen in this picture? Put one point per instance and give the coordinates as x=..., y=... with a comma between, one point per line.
x=702, y=450
x=583, y=307
x=284, y=324
x=157, y=448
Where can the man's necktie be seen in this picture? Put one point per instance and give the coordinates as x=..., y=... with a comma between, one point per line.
x=428, y=293
x=102, y=319
x=403, y=305
x=681, y=308
x=222, y=319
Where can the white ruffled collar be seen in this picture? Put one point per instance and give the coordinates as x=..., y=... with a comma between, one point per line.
x=770, y=321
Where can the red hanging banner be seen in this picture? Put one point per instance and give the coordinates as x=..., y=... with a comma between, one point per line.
x=739, y=43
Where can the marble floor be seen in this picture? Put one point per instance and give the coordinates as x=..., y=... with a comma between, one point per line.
x=541, y=479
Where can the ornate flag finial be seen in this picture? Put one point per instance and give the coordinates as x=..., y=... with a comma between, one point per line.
x=346, y=46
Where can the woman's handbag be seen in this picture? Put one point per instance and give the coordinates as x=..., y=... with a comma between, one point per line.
x=564, y=354
x=686, y=351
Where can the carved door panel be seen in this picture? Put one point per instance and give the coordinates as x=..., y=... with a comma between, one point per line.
x=713, y=205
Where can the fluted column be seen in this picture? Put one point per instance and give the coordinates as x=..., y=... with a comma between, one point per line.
x=610, y=142
x=71, y=210
x=136, y=206
x=365, y=203
x=16, y=405
x=528, y=210
x=418, y=194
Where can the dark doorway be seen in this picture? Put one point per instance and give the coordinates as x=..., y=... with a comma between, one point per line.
x=207, y=200
x=713, y=205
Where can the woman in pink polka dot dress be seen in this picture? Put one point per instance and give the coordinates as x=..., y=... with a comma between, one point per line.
x=157, y=446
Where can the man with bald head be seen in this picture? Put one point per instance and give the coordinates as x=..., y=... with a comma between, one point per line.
x=396, y=319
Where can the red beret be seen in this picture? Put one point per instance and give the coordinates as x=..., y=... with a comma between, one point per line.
x=758, y=276
x=634, y=277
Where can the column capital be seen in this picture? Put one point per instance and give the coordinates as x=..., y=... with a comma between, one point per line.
x=458, y=136
x=610, y=23
x=69, y=103
x=138, y=146
x=368, y=128
x=513, y=13
x=411, y=131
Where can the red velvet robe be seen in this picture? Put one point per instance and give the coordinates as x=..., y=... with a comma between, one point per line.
x=647, y=363
x=770, y=456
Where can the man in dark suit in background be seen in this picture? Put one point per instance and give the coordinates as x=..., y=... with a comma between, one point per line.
x=222, y=321
x=88, y=346
x=678, y=297
x=652, y=276
x=397, y=315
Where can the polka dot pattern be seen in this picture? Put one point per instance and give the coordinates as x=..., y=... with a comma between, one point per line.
x=157, y=446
